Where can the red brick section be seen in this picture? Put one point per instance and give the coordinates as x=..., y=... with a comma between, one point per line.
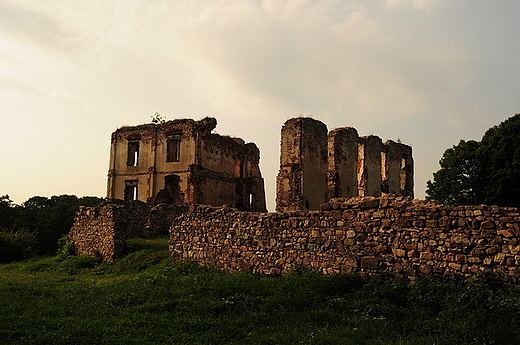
x=365, y=235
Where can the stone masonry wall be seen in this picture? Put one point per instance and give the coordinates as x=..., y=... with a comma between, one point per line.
x=365, y=235
x=99, y=229
x=106, y=228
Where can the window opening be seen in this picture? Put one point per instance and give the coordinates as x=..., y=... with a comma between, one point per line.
x=361, y=172
x=173, y=150
x=384, y=167
x=403, y=174
x=131, y=190
x=133, y=154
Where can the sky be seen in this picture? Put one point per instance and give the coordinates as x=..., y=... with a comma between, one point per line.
x=426, y=72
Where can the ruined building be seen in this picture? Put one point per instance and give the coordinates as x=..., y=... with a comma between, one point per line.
x=182, y=162
x=367, y=220
x=317, y=165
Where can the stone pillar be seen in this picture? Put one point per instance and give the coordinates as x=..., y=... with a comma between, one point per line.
x=302, y=180
x=373, y=148
x=342, y=163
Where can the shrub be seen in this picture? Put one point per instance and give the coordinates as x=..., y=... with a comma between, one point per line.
x=16, y=244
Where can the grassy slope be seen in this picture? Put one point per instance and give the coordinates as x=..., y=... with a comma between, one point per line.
x=143, y=299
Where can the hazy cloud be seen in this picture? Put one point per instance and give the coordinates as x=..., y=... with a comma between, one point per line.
x=36, y=26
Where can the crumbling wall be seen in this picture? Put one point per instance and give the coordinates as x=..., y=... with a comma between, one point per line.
x=366, y=235
x=229, y=173
x=181, y=162
x=342, y=163
x=302, y=180
x=106, y=228
x=355, y=166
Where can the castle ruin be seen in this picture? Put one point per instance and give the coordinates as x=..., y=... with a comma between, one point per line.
x=316, y=165
x=181, y=162
x=344, y=205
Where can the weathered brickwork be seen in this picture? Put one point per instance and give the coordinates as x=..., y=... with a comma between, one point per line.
x=365, y=235
x=106, y=228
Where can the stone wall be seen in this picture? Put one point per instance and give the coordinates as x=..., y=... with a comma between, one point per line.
x=106, y=228
x=301, y=180
x=364, y=235
x=316, y=166
x=182, y=162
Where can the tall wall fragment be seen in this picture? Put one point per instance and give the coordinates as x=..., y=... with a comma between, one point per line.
x=355, y=166
x=301, y=181
x=342, y=162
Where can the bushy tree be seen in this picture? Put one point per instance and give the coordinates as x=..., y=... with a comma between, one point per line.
x=39, y=221
x=16, y=244
x=459, y=181
x=485, y=172
x=7, y=212
x=500, y=154
x=51, y=218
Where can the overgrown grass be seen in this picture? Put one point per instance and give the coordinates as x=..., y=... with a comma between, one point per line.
x=143, y=298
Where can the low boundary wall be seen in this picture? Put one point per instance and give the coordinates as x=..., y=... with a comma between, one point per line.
x=363, y=235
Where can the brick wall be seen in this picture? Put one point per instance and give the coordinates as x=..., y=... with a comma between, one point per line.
x=364, y=235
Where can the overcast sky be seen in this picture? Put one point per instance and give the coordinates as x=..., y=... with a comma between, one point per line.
x=427, y=72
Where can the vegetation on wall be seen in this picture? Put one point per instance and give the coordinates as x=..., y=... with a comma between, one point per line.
x=485, y=172
x=36, y=225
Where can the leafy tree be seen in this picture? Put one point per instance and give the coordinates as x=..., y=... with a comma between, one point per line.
x=37, y=224
x=16, y=244
x=500, y=151
x=459, y=180
x=7, y=212
x=51, y=218
x=481, y=172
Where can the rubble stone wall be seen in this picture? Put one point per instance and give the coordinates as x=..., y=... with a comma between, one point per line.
x=106, y=228
x=100, y=229
x=365, y=235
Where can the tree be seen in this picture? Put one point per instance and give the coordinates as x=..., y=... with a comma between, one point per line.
x=500, y=151
x=51, y=218
x=485, y=172
x=7, y=212
x=459, y=181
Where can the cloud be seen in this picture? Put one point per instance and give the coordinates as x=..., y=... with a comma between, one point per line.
x=35, y=26
x=323, y=55
x=422, y=5
x=305, y=56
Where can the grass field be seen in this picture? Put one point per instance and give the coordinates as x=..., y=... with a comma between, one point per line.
x=143, y=298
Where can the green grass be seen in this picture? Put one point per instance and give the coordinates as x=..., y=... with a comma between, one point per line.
x=143, y=298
